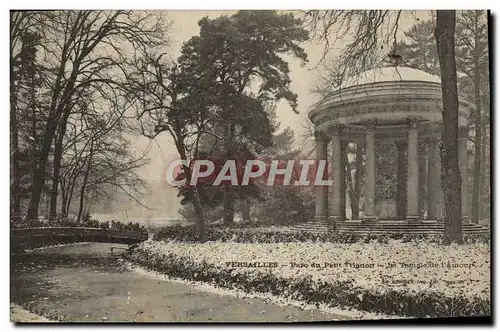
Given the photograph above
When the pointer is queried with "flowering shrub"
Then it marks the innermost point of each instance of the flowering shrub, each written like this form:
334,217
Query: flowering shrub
354,275
283,235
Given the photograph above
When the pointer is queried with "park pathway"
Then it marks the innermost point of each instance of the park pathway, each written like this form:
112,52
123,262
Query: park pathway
85,283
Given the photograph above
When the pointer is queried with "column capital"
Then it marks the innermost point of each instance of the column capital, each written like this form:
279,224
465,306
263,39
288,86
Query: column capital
320,136
412,123
370,125
401,145
336,130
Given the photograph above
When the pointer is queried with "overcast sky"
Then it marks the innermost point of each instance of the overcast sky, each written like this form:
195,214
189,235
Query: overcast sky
184,26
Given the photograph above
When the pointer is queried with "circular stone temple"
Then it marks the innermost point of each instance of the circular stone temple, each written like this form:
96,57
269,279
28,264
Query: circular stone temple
393,104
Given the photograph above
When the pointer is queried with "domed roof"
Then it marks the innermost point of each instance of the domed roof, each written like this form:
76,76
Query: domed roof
390,74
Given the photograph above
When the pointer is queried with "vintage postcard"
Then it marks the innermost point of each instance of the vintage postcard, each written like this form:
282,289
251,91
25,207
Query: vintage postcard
249,166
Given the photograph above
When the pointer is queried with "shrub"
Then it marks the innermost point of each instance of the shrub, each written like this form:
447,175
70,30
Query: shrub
269,235
284,205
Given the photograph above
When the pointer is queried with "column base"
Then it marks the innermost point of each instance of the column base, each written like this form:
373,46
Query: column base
320,219
369,220
464,221
433,220
332,223
413,219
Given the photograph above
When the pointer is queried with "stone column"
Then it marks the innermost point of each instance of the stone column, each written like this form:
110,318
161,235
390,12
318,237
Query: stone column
401,178
344,161
336,173
434,189
412,182
369,212
321,192
462,164
422,178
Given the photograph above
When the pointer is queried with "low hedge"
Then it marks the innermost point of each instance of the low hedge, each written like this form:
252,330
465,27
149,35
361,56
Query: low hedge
336,294
259,235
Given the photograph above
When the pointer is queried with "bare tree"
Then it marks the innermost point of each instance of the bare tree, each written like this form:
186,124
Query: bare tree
168,100
472,48
81,48
23,43
96,152
450,174
371,36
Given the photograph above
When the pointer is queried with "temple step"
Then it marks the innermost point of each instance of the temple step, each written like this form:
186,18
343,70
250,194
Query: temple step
382,227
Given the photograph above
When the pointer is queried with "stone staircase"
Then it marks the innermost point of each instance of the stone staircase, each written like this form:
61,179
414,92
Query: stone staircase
314,226
389,227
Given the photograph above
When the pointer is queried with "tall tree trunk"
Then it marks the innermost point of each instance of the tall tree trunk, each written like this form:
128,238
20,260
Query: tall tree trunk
81,202
69,198
450,174
68,205
39,173
198,208
85,180
64,199
245,209
482,184
57,166
228,189
14,152
60,100
477,125
199,213
69,189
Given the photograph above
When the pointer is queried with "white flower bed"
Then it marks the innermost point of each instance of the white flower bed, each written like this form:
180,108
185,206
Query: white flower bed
451,270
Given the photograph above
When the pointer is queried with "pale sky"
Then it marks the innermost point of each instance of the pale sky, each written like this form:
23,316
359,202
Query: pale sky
184,26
